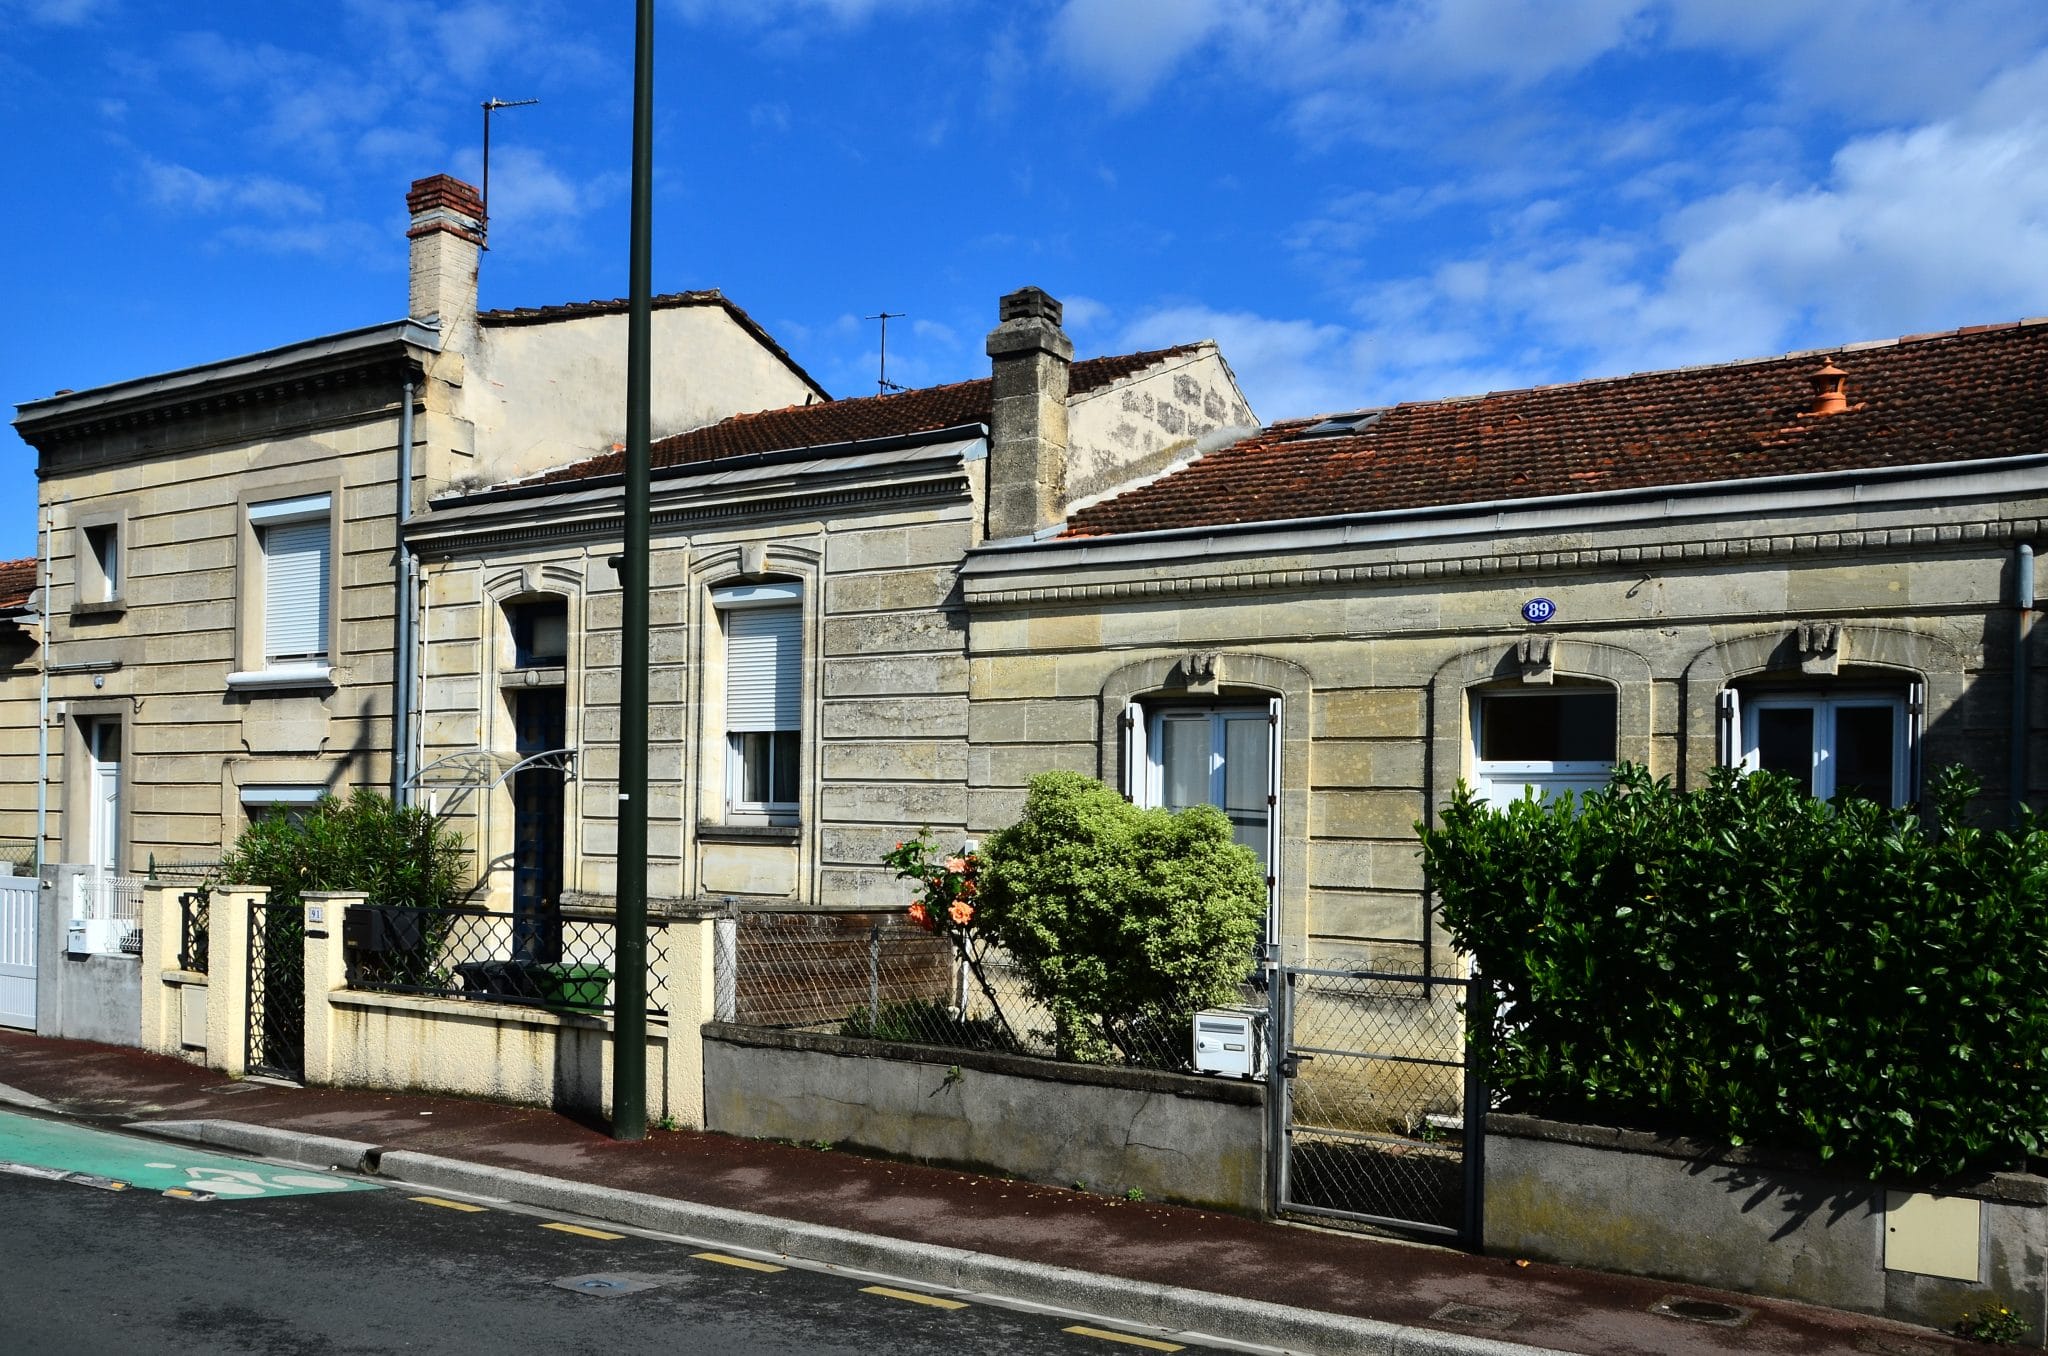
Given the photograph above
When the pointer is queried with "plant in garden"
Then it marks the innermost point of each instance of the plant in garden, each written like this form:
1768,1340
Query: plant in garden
1747,963
948,884
1995,1322
1123,921
395,855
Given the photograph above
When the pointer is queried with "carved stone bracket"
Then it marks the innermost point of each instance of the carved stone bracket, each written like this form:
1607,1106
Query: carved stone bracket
1820,648
1535,653
1202,671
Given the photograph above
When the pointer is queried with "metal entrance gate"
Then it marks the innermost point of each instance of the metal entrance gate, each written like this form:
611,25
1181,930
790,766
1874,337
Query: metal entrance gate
19,900
1378,1117
277,990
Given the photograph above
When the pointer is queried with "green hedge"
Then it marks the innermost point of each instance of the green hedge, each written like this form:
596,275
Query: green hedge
1745,963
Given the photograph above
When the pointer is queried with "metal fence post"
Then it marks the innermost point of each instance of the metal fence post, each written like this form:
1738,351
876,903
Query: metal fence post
725,967
874,977
1478,1021
1277,984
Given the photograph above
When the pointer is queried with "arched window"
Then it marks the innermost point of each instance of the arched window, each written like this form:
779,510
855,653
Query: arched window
1552,740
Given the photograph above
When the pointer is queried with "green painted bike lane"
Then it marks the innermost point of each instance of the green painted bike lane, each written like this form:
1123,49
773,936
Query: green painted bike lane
49,1148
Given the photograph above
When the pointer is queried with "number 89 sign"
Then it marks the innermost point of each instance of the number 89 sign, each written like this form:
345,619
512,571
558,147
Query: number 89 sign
1538,610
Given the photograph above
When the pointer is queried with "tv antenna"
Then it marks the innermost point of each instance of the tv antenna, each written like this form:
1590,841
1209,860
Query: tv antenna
882,383
491,106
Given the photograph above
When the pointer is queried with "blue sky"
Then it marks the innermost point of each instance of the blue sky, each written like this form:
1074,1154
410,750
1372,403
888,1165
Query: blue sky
1362,202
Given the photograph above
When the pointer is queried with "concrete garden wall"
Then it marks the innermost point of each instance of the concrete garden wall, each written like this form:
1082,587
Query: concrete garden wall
85,997
1175,1137
1765,1223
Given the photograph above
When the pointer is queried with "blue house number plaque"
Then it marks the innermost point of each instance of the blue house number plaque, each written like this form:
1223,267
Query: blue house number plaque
1538,610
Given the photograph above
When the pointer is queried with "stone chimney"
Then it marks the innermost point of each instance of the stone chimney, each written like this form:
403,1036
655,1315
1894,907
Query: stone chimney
1027,451
447,236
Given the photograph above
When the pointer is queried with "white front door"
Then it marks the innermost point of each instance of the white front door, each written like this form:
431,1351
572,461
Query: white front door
103,789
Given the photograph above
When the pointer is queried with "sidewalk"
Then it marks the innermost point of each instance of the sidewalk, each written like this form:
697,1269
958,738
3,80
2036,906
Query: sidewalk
811,1194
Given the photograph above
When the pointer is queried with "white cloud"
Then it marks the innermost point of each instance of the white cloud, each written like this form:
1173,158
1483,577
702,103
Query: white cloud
183,189
537,205
1285,367
1129,46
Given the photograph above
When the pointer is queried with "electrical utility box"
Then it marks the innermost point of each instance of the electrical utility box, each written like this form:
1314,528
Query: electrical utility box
1231,1042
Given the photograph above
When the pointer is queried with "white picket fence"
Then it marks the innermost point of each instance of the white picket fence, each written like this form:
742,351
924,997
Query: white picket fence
108,910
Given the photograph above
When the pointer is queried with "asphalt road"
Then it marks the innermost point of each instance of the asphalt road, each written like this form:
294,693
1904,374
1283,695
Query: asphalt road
89,1270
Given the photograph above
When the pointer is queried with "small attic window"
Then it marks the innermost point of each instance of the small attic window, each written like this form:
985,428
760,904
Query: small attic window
1339,425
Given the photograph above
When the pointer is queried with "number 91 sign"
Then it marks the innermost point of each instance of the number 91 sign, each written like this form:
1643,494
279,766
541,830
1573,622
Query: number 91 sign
1538,610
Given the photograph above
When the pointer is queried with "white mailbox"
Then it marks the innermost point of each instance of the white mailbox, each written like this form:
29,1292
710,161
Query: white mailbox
1231,1041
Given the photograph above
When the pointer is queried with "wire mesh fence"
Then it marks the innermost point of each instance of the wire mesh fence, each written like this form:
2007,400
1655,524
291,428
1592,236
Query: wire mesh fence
564,963
1377,1094
880,976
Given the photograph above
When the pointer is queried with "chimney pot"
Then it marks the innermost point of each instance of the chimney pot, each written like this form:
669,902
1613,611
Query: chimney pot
1830,389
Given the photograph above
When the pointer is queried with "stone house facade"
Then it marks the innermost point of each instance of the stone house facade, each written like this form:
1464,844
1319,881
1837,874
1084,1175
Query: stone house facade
809,684
229,597
21,677
1326,626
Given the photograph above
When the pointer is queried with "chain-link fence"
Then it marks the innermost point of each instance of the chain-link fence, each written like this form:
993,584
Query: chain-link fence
1377,1094
504,957
880,976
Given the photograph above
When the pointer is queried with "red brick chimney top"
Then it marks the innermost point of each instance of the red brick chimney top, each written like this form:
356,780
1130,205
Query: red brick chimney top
445,203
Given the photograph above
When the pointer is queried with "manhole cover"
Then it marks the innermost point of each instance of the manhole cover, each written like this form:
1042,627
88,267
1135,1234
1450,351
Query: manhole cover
603,1286
1702,1311
1475,1316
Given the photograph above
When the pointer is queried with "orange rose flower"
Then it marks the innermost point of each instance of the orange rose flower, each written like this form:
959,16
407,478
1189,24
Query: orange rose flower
962,912
917,913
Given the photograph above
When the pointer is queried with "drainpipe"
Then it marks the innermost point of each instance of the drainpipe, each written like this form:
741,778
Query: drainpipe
2022,630
407,600
43,701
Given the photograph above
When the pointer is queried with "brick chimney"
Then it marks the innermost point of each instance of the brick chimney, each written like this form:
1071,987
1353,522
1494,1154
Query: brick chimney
447,236
1027,452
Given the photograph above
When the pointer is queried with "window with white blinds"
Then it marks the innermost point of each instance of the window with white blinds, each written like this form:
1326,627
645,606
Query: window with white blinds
764,669
294,539
763,695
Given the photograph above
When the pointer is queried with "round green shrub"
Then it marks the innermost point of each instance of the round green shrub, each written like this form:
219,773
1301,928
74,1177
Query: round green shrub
1124,922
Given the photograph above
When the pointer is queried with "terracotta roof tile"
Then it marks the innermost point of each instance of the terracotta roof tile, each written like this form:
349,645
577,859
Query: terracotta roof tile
17,582
845,421
711,296
1973,394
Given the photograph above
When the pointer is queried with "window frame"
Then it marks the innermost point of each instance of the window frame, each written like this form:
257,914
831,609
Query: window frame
1550,777
1145,769
1825,701
262,668
729,601
99,576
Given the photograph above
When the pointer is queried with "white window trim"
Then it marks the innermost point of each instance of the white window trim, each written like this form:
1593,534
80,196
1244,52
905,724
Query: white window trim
264,796
1549,776
1824,703
743,597
1145,771
292,673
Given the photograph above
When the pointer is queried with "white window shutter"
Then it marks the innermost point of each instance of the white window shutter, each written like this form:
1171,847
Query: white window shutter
1916,726
1137,765
764,669
1728,728
1274,726
295,603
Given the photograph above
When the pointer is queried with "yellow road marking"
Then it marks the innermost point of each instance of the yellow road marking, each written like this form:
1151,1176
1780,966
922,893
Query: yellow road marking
725,1259
933,1300
582,1232
447,1204
1146,1342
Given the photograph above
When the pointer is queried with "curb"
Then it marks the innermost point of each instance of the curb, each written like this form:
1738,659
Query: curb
1193,1313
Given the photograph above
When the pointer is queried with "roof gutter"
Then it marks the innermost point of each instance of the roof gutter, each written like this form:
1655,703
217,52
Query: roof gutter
892,442
1559,512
